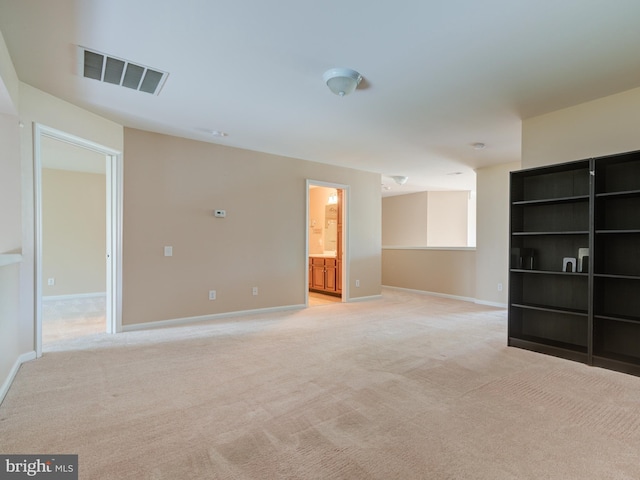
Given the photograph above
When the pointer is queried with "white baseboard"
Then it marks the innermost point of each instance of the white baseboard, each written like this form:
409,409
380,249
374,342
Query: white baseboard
433,294
25,357
365,299
491,304
216,316
73,296
446,295
203,318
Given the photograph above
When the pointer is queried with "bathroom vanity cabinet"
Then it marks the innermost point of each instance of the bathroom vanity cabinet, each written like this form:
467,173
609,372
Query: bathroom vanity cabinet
323,275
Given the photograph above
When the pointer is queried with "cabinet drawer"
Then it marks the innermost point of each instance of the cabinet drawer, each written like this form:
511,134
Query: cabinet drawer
330,262
317,261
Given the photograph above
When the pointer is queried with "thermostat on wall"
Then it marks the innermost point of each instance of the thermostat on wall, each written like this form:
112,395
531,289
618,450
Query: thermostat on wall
219,213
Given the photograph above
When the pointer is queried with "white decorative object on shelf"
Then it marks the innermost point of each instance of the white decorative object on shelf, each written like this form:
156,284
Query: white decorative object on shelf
569,264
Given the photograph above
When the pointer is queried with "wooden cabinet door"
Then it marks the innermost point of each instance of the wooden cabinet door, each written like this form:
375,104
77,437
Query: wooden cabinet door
317,274
330,275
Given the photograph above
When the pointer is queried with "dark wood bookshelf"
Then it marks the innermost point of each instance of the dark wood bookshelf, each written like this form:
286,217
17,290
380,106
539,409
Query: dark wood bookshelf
592,314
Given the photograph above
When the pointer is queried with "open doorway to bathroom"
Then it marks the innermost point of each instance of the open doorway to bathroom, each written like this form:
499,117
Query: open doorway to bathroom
326,259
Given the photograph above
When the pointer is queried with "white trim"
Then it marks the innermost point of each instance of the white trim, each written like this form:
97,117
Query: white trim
37,188
365,299
392,247
446,295
113,159
433,294
10,258
114,242
491,304
73,296
203,318
6,385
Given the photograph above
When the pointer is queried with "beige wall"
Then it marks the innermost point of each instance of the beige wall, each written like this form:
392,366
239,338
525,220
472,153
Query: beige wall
404,220
444,271
592,129
447,219
416,221
426,219
73,232
172,185
492,251
447,271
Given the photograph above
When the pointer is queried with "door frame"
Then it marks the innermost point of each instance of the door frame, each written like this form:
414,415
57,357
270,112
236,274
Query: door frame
113,159
345,236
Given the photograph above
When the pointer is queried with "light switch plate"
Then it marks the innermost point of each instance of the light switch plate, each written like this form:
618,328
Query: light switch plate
168,251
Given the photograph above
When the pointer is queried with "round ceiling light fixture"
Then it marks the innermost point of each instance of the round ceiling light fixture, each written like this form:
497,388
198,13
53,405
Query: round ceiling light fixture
400,179
341,81
479,146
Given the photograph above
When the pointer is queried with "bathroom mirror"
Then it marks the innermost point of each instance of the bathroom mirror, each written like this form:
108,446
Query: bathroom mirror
331,228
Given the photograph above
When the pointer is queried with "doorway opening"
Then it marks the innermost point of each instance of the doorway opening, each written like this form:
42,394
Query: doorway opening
78,186
326,243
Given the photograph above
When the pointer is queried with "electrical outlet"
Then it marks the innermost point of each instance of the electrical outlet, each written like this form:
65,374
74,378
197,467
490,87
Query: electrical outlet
357,283
168,251
51,281
212,294
499,287
255,290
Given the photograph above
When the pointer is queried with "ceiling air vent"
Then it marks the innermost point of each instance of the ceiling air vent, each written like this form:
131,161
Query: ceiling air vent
117,71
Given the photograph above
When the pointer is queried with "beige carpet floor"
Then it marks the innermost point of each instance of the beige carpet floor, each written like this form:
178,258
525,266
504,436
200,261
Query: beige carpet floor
63,319
405,387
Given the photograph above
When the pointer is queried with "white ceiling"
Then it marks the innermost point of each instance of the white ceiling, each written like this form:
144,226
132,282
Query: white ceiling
439,75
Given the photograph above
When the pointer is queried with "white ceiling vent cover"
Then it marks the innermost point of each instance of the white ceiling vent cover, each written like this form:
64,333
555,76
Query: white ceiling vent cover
109,69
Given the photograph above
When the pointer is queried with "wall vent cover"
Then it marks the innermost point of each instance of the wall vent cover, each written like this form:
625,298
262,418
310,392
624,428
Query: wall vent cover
106,68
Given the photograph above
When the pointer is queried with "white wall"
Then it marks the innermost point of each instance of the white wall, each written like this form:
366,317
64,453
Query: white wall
12,342
492,250
9,83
